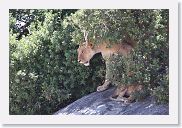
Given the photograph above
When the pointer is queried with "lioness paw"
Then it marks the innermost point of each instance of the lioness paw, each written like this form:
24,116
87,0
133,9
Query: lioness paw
101,88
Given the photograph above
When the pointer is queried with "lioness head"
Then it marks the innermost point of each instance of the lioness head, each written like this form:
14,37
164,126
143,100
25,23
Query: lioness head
85,53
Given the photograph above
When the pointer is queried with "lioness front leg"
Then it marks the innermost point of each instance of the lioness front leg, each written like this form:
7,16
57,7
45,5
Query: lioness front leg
104,86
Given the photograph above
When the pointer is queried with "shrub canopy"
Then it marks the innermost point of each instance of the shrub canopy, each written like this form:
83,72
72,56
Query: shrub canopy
44,72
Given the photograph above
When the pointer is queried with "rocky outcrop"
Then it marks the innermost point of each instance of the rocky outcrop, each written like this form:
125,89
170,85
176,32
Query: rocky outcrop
98,103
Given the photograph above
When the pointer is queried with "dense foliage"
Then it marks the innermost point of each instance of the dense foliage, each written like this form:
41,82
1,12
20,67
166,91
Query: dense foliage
45,74
149,61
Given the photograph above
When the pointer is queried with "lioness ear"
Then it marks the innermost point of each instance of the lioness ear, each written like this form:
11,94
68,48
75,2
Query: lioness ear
90,44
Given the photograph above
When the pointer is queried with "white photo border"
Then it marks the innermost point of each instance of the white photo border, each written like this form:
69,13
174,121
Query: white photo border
173,116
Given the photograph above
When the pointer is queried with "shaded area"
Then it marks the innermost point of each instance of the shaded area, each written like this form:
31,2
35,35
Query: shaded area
98,103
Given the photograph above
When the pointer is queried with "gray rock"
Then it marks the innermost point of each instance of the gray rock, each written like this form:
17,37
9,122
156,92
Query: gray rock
98,103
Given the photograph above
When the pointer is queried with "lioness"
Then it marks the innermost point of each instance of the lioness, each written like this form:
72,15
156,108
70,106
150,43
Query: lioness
87,50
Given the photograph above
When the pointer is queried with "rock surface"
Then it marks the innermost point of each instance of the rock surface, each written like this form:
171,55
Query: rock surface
98,103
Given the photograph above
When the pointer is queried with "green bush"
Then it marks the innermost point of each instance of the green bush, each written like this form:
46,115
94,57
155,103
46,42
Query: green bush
149,28
44,73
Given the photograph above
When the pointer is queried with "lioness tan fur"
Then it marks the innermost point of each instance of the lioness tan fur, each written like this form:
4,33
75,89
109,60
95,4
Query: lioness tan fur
87,50
125,93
